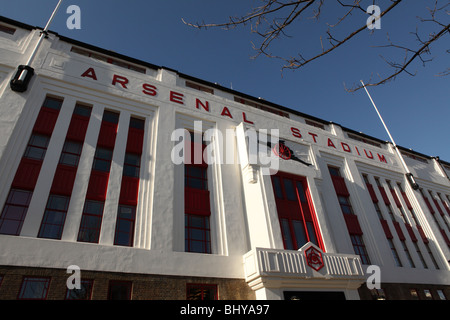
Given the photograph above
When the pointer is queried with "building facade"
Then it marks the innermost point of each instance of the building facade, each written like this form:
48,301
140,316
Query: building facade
101,174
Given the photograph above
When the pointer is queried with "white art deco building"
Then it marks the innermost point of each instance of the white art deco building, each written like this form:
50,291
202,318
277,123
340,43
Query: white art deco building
89,178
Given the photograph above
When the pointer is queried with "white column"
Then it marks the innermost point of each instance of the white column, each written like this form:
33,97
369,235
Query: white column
109,219
41,191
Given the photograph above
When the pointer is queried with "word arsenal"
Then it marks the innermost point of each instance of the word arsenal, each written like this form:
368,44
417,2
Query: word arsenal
179,98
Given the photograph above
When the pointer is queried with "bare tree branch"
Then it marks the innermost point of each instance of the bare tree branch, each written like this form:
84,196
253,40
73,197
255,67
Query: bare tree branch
271,20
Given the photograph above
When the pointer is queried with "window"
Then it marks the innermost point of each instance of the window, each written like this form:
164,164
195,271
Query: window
397,260
201,291
82,110
315,124
54,217
197,234
7,30
441,294
37,146
431,255
414,295
125,226
378,294
261,107
53,103
84,293
34,288
111,117
102,159
137,123
71,153
91,221
419,253
408,255
107,59
359,138
296,216
428,295
345,205
360,248
196,86
14,211
195,177
119,290
335,172
131,165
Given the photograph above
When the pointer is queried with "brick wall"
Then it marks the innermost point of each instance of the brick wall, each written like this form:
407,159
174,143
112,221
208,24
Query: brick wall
144,287
401,291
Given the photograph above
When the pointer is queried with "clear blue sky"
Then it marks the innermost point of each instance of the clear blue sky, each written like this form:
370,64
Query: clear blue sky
416,109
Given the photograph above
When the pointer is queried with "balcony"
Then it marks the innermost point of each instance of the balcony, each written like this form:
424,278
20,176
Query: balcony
308,267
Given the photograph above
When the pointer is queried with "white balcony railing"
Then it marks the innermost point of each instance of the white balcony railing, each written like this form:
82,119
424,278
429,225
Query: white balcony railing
265,263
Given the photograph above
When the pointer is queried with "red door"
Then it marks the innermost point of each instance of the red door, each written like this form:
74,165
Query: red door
295,211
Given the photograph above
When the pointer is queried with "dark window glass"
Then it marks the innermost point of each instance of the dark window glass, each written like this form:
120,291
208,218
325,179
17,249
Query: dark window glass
119,290
54,217
201,292
14,211
53,103
197,234
91,221
34,288
132,165
71,153
102,159
125,226
137,123
37,146
84,293
111,117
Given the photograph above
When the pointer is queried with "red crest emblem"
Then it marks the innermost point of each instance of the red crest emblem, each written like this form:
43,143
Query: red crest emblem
282,151
314,258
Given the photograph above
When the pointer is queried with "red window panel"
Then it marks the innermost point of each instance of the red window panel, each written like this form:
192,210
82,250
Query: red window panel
107,135
411,232
27,174
129,191
399,231
135,140
444,235
396,199
64,180
384,195
386,229
405,197
352,223
98,184
422,234
438,207
373,196
77,128
197,202
340,186
427,201
46,120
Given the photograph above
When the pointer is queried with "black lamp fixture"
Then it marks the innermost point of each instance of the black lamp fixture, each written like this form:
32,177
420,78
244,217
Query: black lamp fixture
21,79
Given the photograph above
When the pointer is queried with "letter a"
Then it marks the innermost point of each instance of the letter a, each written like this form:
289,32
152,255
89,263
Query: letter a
374,280
74,281
74,21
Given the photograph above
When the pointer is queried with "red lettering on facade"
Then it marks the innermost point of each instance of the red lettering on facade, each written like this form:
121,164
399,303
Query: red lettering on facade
149,89
330,143
314,136
245,118
205,106
345,147
90,73
357,151
176,97
120,80
296,132
382,158
371,155
226,112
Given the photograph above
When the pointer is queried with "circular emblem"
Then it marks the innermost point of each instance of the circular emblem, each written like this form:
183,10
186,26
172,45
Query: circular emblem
282,151
314,258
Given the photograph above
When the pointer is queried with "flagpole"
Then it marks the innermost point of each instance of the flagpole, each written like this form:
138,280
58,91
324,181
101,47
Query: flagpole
409,175
25,72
